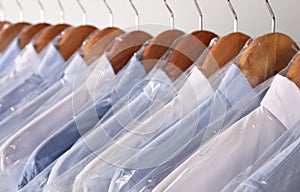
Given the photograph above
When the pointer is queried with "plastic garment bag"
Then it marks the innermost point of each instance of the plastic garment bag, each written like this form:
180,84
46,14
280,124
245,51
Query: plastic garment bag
240,145
52,65
280,174
175,140
25,65
281,144
30,107
8,57
14,154
149,94
55,145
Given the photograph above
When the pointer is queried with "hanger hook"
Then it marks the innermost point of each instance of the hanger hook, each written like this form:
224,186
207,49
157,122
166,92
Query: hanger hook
137,16
272,15
2,15
42,11
21,12
200,15
111,15
62,11
235,28
84,19
172,14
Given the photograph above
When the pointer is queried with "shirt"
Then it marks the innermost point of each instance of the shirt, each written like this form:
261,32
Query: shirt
13,154
9,56
56,145
156,87
102,180
280,174
51,65
30,108
24,66
241,144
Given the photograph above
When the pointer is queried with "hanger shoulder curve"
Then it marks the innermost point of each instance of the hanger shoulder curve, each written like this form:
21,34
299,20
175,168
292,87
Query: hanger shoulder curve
99,41
4,24
124,48
27,35
48,35
158,46
7,35
294,72
73,40
189,49
265,55
225,49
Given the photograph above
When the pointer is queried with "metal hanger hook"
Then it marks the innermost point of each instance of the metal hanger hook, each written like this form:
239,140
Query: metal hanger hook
2,13
235,27
171,13
272,15
42,11
200,15
111,15
21,12
84,18
62,11
137,16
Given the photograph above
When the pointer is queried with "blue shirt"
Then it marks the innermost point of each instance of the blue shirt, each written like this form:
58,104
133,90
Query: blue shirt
30,107
56,145
279,174
51,68
157,86
8,58
203,123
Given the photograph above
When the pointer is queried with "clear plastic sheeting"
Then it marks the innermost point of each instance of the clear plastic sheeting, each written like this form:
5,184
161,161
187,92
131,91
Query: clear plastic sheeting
14,153
240,145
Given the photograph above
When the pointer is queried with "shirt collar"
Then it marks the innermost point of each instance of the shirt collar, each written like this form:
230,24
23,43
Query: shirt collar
10,54
283,101
28,59
52,62
102,77
235,86
130,75
196,88
76,69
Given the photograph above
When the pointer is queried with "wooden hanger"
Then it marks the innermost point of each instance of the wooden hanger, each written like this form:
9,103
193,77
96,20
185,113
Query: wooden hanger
189,48
97,44
4,24
126,45
75,37
158,46
27,35
294,72
267,54
73,40
8,34
225,49
48,35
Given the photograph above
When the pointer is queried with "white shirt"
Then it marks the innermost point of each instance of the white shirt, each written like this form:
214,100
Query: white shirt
13,153
188,98
221,159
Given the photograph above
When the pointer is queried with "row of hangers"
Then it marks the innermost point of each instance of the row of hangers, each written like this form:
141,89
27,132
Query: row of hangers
265,55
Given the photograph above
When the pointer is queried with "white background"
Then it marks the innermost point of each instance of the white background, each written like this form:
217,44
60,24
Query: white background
254,18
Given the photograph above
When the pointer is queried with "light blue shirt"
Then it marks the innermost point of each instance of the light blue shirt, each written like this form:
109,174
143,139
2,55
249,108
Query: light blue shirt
49,71
157,86
29,107
279,174
55,145
9,56
203,123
